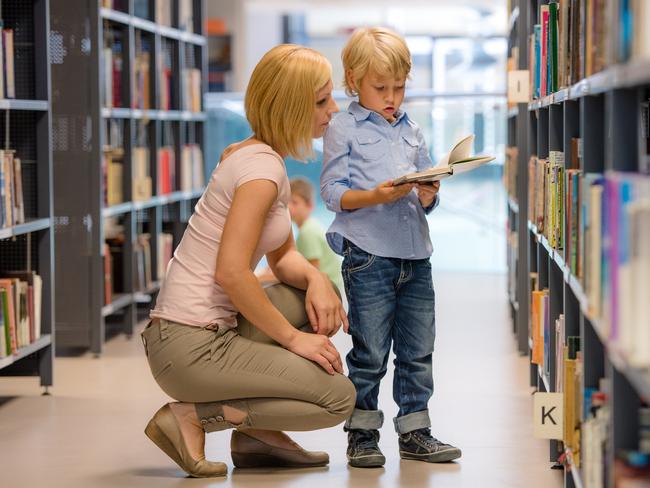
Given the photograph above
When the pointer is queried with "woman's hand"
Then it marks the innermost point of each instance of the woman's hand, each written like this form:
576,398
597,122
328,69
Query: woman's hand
317,348
324,307
427,193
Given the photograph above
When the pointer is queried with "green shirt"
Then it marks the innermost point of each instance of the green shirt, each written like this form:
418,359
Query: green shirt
311,243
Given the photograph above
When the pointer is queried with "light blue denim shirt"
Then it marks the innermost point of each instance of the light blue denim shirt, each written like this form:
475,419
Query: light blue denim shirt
361,149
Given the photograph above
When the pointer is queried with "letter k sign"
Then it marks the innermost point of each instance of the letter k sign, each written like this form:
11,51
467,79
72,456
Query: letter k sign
548,416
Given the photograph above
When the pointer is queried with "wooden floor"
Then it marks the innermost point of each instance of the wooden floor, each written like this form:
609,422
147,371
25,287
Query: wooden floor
89,432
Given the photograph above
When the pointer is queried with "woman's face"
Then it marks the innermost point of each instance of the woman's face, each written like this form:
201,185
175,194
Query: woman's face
325,107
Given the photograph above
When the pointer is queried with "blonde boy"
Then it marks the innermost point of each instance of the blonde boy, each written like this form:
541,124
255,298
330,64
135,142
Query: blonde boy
382,233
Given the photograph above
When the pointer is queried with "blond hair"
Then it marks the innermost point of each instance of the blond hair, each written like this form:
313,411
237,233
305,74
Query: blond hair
303,188
281,98
375,49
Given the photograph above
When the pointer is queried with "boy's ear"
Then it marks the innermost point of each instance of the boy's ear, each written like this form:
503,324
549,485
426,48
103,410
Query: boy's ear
350,79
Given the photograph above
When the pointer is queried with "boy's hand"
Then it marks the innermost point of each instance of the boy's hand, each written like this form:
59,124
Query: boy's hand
427,193
387,193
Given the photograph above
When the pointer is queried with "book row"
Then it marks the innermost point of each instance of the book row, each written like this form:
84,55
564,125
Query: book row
587,422
113,74
163,12
173,174
143,272
606,222
575,39
12,206
21,295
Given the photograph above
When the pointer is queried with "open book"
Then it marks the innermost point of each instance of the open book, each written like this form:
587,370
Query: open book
457,161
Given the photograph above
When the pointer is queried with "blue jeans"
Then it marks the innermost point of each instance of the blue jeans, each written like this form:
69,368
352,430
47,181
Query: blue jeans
390,300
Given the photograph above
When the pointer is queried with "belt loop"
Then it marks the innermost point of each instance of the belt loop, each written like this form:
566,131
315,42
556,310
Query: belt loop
163,330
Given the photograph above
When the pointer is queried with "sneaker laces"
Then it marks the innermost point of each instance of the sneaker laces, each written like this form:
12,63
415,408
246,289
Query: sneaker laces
365,439
424,436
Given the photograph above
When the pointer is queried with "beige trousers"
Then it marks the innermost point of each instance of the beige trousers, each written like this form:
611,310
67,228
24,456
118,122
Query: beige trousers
247,370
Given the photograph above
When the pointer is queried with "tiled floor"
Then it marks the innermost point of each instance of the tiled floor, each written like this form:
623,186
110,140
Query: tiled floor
89,432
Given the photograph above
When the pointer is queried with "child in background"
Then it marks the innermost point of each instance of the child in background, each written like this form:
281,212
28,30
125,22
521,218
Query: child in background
310,240
382,232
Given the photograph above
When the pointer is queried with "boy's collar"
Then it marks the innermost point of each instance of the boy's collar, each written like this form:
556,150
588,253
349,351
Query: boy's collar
359,112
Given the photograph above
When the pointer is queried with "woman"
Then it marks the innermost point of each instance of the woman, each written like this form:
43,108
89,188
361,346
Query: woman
260,372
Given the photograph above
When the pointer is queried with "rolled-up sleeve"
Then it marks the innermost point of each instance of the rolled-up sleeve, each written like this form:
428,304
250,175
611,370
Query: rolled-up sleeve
335,176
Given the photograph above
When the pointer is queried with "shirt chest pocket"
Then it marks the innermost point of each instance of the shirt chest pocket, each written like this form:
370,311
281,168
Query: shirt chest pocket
411,147
371,147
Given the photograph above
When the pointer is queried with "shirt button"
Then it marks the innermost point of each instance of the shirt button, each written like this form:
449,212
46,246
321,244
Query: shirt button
219,418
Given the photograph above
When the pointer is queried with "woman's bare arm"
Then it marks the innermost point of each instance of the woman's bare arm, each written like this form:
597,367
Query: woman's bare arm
324,308
243,228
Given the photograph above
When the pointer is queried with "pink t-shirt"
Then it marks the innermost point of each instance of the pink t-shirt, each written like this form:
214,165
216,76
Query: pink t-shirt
190,294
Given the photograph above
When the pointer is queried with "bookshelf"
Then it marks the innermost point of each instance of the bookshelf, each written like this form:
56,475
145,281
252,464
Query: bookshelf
579,189
128,151
27,234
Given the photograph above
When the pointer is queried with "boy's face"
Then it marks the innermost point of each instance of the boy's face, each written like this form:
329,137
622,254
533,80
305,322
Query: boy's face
381,94
299,208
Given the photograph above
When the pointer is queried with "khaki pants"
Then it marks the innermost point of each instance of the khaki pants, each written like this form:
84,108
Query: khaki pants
244,368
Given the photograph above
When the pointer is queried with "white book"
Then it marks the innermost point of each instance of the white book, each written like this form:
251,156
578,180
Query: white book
2,64
10,80
458,160
186,168
198,175
38,301
636,318
595,250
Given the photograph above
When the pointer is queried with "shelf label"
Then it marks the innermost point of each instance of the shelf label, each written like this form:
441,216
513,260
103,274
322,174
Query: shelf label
518,86
548,415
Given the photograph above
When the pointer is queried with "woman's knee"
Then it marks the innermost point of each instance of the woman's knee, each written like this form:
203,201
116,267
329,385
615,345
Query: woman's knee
343,398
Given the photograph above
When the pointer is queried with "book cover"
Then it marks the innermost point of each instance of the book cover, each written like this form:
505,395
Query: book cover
538,59
544,16
553,46
10,78
19,204
547,332
7,297
3,332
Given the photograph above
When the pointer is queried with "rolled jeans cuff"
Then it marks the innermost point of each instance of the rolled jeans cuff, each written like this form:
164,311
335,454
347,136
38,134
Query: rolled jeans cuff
365,420
412,421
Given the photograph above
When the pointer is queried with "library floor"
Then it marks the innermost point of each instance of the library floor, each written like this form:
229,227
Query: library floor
89,432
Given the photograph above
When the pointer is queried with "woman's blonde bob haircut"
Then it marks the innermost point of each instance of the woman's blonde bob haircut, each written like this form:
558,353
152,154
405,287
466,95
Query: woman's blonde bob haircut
281,98
375,49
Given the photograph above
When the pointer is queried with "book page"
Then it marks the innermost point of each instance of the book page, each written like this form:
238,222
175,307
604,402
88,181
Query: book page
461,150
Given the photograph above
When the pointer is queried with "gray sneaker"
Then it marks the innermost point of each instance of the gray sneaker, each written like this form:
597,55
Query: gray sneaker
420,446
363,449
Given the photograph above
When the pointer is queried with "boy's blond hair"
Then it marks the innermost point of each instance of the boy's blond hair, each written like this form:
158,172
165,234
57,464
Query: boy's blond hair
281,98
303,188
376,49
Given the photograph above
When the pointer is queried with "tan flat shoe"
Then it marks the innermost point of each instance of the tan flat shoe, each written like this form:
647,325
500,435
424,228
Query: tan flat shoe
248,452
164,431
